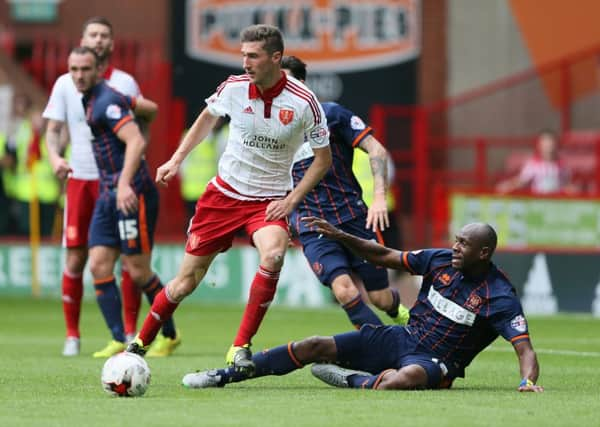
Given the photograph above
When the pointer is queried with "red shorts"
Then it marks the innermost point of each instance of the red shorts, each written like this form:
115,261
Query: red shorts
80,199
218,217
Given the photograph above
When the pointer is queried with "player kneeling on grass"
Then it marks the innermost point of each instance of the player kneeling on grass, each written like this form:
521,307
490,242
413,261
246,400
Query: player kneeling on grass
464,303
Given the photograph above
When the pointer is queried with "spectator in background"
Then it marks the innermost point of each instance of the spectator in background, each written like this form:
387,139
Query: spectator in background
33,176
543,173
201,165
7,163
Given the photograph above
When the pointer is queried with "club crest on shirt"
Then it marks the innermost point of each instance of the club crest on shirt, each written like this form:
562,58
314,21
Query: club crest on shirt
286,116
519,323
445,278
473,302
113,111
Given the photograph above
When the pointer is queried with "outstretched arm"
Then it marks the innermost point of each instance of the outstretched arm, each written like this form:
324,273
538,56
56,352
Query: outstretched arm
199,130
529,367
366,249
377,216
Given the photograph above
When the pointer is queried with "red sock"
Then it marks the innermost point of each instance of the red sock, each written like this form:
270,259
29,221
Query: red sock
161,310
262,292
72,292
132,299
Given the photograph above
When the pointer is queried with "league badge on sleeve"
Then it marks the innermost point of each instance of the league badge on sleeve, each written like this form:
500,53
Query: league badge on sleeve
113,111
356,123
519,323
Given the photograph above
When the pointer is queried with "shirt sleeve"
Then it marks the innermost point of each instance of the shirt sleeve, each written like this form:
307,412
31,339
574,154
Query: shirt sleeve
508,319
116,113
353,127
315,125
56,109
421,262
219,103
527,172
131,88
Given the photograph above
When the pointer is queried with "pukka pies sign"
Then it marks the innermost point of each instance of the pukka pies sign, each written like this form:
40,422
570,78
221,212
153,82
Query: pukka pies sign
342,36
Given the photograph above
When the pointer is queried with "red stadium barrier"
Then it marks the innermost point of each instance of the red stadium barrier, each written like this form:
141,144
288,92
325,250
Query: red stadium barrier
433,153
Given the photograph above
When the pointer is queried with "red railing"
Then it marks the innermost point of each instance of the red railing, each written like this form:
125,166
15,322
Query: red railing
436,152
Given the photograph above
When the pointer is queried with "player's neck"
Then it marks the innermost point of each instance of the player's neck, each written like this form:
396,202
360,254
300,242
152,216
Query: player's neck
270,82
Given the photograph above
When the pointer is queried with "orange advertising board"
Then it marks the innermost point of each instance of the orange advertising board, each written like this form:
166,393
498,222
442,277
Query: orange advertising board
330,35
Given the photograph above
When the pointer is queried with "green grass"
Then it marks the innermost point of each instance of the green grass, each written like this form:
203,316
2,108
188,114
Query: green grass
38,387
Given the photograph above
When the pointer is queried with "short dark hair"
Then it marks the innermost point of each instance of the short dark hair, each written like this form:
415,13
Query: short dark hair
97,20
264,33
83,50
490,237
295,65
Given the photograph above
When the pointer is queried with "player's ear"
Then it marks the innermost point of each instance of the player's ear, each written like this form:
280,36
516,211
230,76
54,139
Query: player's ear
485,253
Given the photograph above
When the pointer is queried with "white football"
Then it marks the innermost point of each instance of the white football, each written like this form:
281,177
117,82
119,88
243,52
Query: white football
125,374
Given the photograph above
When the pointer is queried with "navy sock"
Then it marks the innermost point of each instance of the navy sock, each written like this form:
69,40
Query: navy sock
393,312
150,289
276,361
362,381
367,381
360,314
109,301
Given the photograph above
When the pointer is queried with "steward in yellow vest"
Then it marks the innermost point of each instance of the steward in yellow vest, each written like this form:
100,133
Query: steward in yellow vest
33,177
200,166
6,186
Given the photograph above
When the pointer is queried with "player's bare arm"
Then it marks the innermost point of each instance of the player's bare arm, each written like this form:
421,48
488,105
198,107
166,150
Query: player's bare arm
145,108
367,249
316,171
199,130
130,134
55,146
377,216
528,366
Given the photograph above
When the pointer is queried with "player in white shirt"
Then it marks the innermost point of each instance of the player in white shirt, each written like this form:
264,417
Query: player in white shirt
270,116
65,107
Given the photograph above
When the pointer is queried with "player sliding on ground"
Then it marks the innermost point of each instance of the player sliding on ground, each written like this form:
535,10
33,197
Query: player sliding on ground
464,304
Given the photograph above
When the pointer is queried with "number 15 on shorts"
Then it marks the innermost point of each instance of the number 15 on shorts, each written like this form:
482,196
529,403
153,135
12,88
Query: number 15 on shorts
128,229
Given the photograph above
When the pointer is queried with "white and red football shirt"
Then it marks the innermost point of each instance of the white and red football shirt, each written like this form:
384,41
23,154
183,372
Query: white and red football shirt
65,105
543,176
265,131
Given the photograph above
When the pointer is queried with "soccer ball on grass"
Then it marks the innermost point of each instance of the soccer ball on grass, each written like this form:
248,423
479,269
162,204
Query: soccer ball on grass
125,374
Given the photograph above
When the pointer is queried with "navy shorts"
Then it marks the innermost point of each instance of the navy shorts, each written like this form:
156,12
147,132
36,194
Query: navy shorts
132,234
330,259
377,348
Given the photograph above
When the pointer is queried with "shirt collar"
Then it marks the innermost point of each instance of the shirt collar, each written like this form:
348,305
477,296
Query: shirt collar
268,95
108,72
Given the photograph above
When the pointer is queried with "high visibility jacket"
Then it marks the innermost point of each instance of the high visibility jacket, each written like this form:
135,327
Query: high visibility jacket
8,176
200,166
47,187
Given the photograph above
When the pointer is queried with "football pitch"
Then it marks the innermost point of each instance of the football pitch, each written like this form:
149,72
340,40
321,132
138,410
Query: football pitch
39,387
